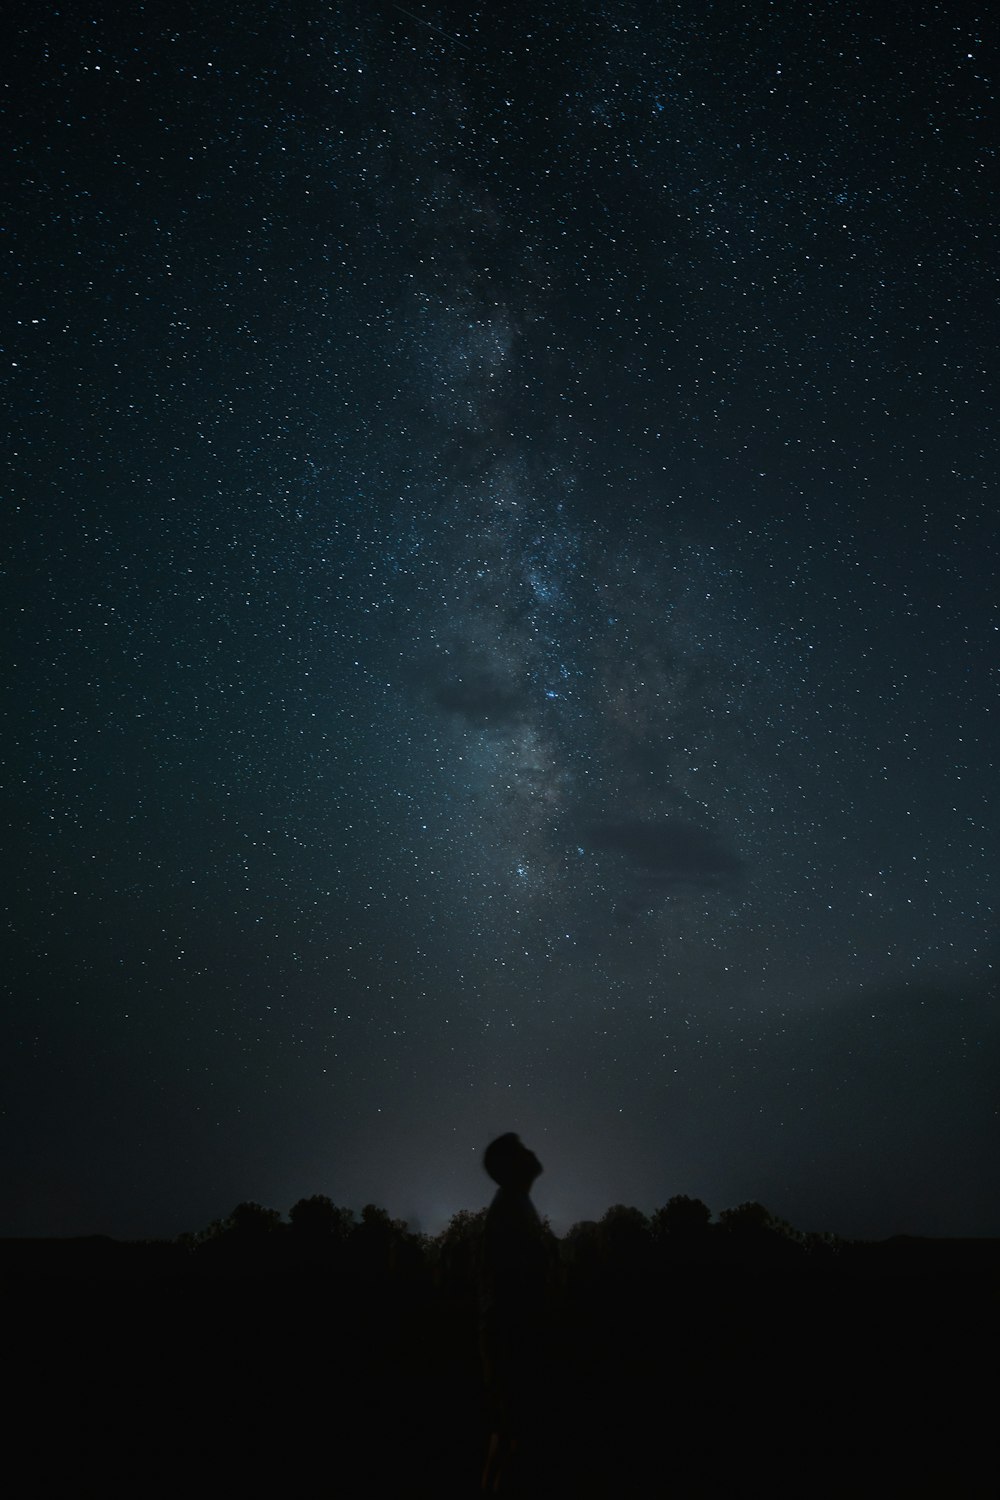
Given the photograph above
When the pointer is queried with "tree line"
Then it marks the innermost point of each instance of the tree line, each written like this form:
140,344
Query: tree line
625,1241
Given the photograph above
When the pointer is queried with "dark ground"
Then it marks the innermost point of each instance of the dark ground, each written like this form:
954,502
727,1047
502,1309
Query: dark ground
135,1375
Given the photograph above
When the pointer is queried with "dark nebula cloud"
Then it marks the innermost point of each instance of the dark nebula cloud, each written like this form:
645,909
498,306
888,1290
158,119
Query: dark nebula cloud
481,696
663,858
668,850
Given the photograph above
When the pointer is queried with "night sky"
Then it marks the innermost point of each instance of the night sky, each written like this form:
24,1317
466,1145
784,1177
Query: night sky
501,605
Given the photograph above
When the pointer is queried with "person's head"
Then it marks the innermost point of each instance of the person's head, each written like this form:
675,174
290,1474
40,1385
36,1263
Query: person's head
510,1163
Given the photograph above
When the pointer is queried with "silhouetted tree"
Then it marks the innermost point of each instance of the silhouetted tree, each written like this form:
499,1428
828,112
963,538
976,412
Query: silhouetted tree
626,1241
319,1217
580,1252
681,1215
372,1249
247,1239
752,1218
457,1251
319,1228
253,1221
755,1235
822,1247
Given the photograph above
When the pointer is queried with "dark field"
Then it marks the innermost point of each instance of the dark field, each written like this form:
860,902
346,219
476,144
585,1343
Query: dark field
154,1370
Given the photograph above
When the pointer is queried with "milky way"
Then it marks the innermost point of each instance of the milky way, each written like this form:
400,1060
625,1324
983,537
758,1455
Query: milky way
502,600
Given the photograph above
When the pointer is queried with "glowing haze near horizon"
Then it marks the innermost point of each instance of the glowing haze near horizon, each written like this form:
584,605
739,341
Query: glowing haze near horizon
502,604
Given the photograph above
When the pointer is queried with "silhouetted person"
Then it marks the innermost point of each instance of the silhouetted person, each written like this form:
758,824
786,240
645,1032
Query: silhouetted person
513,1277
